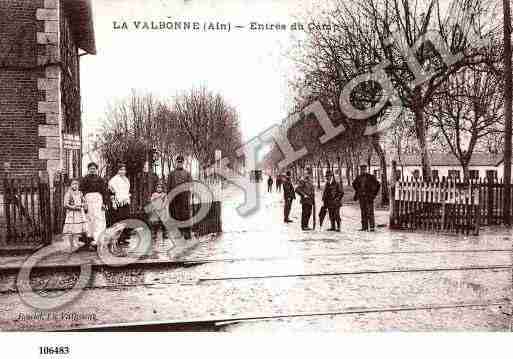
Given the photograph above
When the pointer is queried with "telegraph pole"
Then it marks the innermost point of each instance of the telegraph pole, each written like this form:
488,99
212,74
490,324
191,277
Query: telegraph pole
507,112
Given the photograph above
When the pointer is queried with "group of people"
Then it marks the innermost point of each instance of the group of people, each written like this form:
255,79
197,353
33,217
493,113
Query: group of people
366,188
270,183
88,199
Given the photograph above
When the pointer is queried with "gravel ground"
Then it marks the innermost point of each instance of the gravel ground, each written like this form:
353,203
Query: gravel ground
259,267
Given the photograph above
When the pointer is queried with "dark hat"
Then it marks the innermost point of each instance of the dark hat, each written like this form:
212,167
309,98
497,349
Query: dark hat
288,174
121,164
180,159
92,164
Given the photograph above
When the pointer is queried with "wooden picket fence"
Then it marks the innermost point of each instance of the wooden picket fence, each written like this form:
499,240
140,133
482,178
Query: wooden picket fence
492,196
448,205
25,211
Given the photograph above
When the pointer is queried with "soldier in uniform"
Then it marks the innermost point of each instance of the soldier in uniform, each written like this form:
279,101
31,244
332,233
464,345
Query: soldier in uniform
288,196
307,192
278,182
366,188
270,184
332,199
180,205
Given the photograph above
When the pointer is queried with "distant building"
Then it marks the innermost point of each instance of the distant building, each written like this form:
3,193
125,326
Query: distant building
447,165
41,42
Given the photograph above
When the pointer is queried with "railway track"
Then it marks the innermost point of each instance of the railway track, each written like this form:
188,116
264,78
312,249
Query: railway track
216,324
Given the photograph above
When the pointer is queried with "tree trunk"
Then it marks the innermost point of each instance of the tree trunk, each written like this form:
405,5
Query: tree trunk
349,173
383,165
466,172
369,157
420,130
507,112
339,170
319,174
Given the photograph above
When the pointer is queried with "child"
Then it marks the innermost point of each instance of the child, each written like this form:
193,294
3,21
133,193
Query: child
75,224
157,200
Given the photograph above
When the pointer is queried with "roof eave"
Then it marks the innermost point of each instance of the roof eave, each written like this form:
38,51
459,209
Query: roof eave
81,13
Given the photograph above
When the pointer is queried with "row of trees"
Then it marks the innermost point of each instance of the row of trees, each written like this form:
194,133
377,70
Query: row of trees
143,129
439,65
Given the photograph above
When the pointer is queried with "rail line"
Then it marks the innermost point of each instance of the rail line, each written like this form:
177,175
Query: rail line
215,324
199,261
200,280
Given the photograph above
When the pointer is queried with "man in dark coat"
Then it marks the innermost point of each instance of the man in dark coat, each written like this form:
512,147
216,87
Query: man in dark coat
278,182
288,196
270,184
307,192
180,205
366,188
332,199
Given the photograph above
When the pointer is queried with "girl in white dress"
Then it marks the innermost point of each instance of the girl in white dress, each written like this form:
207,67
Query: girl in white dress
75,224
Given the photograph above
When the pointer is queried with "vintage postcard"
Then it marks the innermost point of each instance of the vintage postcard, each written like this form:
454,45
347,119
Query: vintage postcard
255,166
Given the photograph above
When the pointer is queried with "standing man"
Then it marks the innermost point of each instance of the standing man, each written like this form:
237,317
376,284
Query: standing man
332,199
288,196
180,205
393,181
278,182
270,184
366,188
94,189
307,192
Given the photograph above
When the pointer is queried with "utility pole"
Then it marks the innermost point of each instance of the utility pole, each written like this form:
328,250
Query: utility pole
507,112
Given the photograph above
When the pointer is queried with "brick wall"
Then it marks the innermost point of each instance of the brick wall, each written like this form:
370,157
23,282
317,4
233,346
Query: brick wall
19,94
39,87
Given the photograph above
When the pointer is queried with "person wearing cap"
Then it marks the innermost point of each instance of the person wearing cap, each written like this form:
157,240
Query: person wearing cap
180,205
119,186
366,188
278,182
289,195
307,193
332,199
94,189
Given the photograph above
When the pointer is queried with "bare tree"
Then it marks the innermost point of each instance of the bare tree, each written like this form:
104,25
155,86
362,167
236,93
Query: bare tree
466,109
209,123
408,38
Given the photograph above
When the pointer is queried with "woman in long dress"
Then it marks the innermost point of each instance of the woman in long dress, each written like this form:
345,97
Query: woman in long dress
94,189
119,186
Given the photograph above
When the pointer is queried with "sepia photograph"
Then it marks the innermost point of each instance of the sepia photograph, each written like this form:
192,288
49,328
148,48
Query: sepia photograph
241,166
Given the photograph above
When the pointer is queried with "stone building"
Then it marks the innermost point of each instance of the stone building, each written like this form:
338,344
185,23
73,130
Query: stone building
41,42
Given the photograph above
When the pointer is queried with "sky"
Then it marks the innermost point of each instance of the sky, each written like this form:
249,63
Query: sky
248,67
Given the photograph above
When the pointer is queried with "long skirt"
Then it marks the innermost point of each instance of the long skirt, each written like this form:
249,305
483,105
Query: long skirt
95,215
121,213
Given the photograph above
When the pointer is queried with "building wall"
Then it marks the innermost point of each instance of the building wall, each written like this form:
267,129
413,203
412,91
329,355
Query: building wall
70,99
443,171
33,136
19,93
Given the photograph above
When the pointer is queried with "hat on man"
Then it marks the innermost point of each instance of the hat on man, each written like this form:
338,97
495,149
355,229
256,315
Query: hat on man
92,164
288,174
180,159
